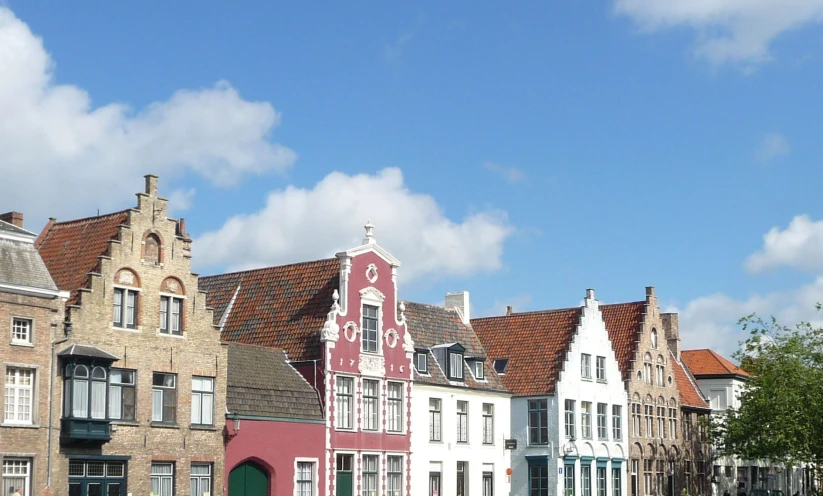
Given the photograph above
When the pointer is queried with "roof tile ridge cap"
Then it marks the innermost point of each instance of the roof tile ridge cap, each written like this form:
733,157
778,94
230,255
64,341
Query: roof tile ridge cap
528,313
563,357
722,361
93,217
689,376
270,267
44,233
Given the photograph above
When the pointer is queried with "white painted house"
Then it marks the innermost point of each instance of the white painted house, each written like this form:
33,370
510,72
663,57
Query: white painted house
459,407
569,407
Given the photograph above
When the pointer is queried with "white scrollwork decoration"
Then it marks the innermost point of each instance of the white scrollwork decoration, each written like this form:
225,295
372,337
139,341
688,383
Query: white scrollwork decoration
374,365
391,338
350,331
371,273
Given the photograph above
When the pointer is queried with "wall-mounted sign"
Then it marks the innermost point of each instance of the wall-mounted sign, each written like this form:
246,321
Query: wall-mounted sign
511,444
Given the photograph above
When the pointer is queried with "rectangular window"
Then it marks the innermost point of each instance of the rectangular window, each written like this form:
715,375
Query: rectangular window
673,423
461,478
602,421
538,422
455,365
462,421
617,422
488,484
661,470
616,482
647,373
16,476
434,484
162,479
420,363
649,410
688,471
601,369
21,331
125,308
122,394
394,476
479,370
636,419
200,478
395,407
18,397
369,481
164,398
488,423
586,480
647,477
539,480
601,481
435,425
202,400
305,479
687,426
571,430
369,329
345,402
568,480
661,373
171,315
371,399
586,419
586,366
661,421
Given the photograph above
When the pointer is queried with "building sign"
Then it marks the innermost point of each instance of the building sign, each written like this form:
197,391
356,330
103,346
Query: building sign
511,444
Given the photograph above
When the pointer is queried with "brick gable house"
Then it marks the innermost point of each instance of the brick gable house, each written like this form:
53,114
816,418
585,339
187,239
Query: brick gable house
141,388
340,324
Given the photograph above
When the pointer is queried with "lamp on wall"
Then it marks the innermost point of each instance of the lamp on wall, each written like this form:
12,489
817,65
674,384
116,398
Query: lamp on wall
236,423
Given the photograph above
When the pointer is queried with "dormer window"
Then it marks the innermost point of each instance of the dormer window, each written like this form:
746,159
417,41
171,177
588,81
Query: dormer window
479,370
369,329
420,363
500,365
455,365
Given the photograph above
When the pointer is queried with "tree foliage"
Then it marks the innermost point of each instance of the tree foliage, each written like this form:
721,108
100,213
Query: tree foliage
780,417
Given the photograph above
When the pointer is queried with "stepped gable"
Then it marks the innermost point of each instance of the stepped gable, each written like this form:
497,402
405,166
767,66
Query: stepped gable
71,249
432,325
277,307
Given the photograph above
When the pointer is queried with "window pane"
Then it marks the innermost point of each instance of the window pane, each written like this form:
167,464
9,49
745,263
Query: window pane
195,408
80,396
98,400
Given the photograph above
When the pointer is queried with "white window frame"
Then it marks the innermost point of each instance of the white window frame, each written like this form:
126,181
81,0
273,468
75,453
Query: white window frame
14,392
162,390
462,422
455,365
378,473
339,425
398,417
372,297
600,366
315,462
364,418
585,366
435,411
617,422
479,370
586,431
167,331
603,422
163,477
116,395
421,358
202,397
16,326
12,464
402,472
570,427
200,478
123,325
488,423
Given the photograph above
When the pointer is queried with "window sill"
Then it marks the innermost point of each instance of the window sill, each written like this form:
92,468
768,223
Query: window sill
125,329
602,381
436,441
21,426
127,423
587,379
539,445
22,344
345,429
199,427
168,335
395,433
164,426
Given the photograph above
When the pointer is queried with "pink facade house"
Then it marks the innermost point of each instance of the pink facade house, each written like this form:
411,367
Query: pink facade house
342,327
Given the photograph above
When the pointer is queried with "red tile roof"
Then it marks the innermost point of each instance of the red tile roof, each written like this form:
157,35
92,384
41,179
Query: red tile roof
624,321
690,395
281,307
708,363
71,249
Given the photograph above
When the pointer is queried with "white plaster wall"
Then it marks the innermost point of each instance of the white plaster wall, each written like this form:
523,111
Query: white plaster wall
448,452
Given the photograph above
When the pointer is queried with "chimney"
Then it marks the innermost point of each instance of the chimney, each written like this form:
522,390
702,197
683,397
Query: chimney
589,294
671,328
649,291
459,301
151,185
181,226
509,310
14,218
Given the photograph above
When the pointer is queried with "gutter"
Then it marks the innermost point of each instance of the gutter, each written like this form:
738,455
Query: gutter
66,327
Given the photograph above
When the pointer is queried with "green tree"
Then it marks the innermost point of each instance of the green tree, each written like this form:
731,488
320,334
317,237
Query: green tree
780,417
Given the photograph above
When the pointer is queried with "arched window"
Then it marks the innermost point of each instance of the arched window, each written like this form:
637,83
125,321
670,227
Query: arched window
654,338
152,249
84,395
648,369
125,303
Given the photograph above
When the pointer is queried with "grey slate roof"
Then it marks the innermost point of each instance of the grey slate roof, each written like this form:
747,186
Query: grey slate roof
85,350
262,383
20,262
433,327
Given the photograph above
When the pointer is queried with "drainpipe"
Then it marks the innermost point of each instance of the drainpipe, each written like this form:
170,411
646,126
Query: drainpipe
67,330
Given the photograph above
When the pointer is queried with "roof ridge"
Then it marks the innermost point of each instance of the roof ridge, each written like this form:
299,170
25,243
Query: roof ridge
552,310
270,267
94,217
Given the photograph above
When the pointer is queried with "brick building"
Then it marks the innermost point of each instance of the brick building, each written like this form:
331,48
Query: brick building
340,322
31,317
141,388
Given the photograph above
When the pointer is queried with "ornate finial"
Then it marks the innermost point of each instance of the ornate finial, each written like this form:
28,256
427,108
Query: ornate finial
335,296
402,308
369,239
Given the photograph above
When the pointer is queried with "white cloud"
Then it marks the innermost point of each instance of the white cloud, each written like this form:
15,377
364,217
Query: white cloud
512,175
180,200
303,224
55,146
800,245
736,31
772,146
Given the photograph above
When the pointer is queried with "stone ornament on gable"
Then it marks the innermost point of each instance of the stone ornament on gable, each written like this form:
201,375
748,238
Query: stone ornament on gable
126,277
374,365
372,293
391,338
408,343
371,273
172,286
350,331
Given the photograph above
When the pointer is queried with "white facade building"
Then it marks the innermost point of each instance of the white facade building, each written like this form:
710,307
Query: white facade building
569,411
459,407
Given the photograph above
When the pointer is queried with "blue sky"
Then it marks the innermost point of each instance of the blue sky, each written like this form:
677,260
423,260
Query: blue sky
523,152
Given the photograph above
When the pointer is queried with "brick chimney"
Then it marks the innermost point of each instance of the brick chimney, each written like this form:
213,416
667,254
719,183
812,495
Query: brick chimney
509,310
14,218
460,302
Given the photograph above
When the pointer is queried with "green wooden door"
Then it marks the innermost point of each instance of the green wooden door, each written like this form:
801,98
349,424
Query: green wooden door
343,484
248,480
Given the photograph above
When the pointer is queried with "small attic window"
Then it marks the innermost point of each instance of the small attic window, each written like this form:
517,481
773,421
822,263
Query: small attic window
479,370
455,365
500,365
420,363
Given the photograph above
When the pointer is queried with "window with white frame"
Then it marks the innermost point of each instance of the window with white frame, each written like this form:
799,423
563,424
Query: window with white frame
586,479
420,363
586,366
479,370
462,421
586,419
200,478
370,328
673,423
370,473
488,423
539,421
122,394
305,479
661,374
617,422
164,398
636,420
570,427
371,399
661,421
601,369
162,479
18,404
345,402
125,308
171,315
21,331
647,373
649,414
602,421
395,407
202,400
394,476
16,476
455,365
435,418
